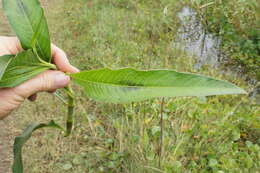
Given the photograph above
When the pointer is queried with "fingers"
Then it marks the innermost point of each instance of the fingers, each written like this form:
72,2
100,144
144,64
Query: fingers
47,81
10,45
61,60
11,98
33,97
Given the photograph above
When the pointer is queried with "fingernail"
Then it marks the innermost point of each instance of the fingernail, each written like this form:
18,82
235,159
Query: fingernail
61,80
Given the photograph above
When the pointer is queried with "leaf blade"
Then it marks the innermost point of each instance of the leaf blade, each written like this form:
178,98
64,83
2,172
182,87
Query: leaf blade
22,67
128,85
4,62
29,23
23,138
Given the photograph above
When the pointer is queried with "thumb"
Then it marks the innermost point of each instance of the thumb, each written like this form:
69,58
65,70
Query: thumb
47,81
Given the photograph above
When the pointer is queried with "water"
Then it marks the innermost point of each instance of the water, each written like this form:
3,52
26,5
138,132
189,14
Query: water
194,39
255,95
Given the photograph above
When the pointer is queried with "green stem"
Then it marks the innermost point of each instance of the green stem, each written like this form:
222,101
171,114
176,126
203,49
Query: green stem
161,136
71,105
51,66
44,63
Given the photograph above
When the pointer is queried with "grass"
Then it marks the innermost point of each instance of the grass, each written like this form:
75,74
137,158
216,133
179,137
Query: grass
237,23
216,134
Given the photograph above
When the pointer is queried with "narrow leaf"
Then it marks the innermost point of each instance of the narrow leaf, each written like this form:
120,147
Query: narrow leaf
4,62
27,19
22,139
21,68
128,85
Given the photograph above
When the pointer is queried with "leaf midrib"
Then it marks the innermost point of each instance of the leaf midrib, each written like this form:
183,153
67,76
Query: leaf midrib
126,86
21,75
5,68
30,24
24,66
26,15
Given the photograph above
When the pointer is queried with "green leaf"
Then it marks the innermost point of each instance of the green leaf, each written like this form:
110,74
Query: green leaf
22,139
128,85
28,21
4,62
22,67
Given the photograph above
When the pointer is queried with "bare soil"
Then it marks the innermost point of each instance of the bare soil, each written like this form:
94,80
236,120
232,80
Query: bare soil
6,142
6,131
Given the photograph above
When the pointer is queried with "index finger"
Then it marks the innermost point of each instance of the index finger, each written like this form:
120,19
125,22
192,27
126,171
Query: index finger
61,61
9,45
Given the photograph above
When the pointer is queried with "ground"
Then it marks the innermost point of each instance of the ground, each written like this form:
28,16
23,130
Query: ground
7,133
214,134
6,142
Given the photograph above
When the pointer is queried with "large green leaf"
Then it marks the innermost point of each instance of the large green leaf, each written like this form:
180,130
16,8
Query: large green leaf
28,21
128,85
22,139
4,62
22,67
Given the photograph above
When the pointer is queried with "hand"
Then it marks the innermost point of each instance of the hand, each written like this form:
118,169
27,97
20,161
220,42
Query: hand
12,98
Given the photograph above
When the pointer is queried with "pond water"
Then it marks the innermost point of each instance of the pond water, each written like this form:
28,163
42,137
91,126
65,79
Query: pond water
194,39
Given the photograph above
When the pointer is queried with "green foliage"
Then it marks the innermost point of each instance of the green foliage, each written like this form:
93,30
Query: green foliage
28,21
237,23
23,138
114,138
4,61
21,68
128,85
104,33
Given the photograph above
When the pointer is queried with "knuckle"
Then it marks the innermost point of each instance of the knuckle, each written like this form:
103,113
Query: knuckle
45,82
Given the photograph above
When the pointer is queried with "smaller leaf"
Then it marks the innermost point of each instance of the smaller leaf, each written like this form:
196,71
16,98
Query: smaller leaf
28,21
4,62
23,138
21,68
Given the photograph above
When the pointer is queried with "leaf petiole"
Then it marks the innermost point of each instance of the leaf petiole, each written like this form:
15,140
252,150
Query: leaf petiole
49,65
44,63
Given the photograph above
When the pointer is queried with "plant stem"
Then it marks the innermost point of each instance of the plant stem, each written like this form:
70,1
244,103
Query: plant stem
49,65
71,105
161,136
44,63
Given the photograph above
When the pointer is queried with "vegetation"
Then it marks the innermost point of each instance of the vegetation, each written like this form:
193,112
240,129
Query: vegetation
217,134
237,23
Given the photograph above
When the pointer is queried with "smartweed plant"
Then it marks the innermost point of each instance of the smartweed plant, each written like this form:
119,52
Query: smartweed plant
126,85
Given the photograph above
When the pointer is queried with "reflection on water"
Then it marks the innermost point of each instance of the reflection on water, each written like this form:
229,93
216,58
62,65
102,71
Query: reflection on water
193,39
255,95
